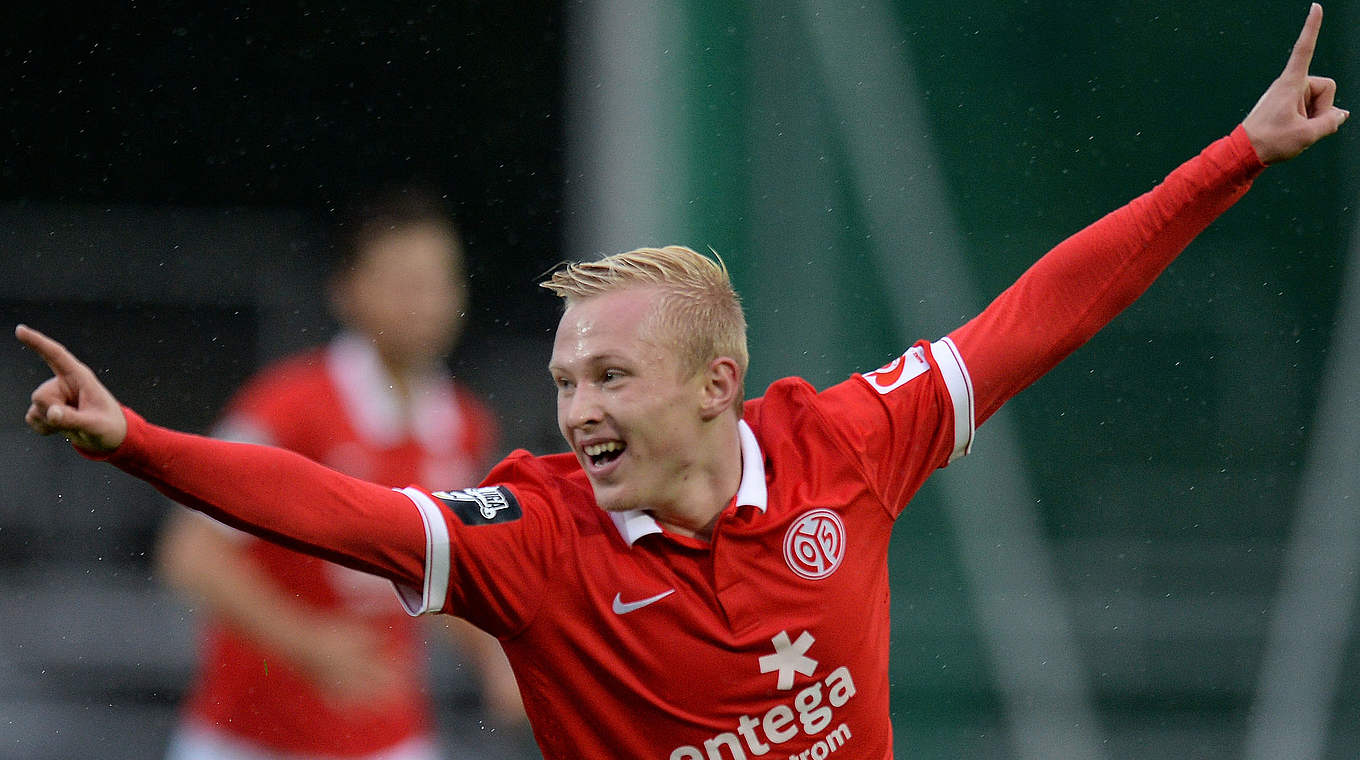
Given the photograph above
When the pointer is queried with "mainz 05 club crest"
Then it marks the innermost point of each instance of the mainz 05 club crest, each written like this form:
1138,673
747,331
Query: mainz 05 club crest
815,544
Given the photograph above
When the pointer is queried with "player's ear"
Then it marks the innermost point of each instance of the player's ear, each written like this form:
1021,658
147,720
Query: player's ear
722,386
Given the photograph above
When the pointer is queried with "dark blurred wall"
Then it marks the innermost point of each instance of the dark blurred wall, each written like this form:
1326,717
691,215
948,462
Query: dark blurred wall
169,172
294,106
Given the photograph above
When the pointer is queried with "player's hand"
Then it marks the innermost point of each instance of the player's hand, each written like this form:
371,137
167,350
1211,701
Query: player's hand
1296,110
72,402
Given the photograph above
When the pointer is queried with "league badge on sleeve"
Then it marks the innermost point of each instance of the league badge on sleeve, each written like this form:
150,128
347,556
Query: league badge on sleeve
899,371
481,506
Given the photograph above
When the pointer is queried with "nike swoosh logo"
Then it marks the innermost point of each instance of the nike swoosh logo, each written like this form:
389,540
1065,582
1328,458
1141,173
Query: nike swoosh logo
623,608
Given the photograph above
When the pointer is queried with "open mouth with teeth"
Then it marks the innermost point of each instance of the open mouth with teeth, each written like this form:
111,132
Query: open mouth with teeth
601,454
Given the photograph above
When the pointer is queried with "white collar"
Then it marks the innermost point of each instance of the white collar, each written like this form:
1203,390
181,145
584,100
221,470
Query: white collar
636,523
366,388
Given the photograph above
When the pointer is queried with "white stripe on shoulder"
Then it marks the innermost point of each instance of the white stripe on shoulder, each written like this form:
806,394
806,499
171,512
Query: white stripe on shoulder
431,597
960,386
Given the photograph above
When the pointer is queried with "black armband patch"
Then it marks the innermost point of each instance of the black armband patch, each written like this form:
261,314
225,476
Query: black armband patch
481,506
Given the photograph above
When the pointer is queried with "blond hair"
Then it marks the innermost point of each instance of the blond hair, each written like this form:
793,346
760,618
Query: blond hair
698,308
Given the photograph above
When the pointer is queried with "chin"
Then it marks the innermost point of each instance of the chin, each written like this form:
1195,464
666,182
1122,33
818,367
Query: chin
610,501
614,505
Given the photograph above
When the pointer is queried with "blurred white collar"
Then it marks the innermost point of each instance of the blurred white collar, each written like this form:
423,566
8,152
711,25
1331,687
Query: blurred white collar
366,388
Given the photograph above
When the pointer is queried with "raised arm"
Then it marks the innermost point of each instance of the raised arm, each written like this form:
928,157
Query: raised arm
1085,281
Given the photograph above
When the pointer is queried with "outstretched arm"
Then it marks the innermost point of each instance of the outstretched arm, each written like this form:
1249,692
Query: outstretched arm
1084,282
273,493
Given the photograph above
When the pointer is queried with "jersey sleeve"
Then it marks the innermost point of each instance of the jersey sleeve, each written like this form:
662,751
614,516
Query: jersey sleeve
239,429
280,496
905,419
1083,283
490,550
263,411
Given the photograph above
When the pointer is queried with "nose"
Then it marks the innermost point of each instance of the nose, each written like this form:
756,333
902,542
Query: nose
581,408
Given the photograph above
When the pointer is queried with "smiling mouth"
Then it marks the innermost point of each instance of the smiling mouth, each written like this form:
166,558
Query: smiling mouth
604,453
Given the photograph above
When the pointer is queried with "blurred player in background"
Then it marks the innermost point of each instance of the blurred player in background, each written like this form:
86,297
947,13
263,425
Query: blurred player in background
702,577
300,657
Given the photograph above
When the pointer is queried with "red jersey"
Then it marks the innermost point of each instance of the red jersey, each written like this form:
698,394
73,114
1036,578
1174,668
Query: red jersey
334,405
772,638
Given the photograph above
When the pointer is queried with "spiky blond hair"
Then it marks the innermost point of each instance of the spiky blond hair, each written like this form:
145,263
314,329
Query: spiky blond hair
698,308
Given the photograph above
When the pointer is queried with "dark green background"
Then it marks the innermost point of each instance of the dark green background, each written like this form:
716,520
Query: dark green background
1165,455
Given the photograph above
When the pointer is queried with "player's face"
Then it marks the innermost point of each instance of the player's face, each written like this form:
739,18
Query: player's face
624,405
406,294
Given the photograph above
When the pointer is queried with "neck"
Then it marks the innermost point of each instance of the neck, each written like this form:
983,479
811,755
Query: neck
710,486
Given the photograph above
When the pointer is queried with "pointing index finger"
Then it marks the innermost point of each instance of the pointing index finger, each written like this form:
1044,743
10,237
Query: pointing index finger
58,358
1302,54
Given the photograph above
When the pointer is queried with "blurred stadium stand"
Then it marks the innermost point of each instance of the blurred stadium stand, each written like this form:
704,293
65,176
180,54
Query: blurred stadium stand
173,308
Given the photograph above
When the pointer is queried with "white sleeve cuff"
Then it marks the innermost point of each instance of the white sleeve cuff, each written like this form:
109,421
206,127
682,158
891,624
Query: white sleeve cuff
960,386
430,597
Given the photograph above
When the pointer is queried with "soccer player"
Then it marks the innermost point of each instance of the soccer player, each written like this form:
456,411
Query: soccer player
700,577
303,657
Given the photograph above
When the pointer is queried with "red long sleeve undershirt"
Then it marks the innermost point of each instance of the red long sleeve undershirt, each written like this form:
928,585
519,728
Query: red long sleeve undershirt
1053,308
1083,283
281,496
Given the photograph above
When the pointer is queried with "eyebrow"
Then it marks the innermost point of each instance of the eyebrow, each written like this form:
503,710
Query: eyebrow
604,358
